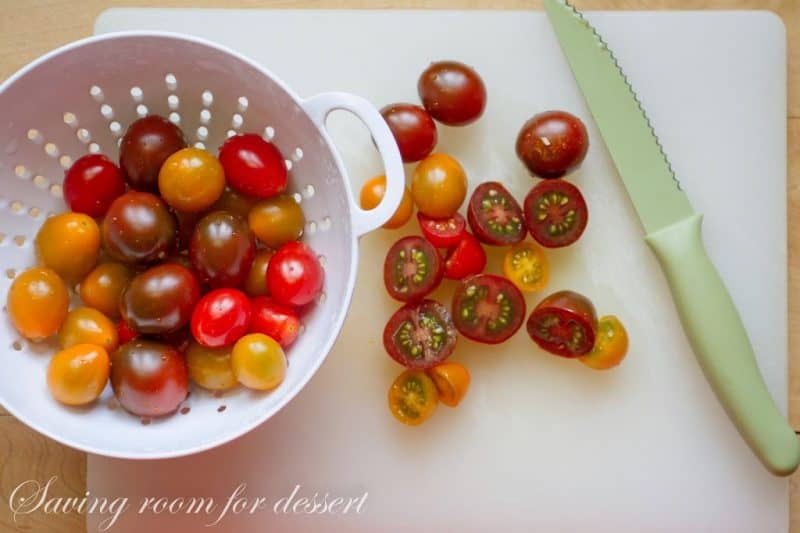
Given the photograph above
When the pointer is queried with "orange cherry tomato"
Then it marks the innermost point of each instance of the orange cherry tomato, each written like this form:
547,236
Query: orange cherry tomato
525,264
78,375
452,381
439,186
371,195
85,325
191,180
103,286
256,282
37,303
413,397
69,244
210,368
277,220
610,345
258,362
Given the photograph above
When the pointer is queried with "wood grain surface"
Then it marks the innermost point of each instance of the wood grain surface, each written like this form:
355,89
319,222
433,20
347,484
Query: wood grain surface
29,28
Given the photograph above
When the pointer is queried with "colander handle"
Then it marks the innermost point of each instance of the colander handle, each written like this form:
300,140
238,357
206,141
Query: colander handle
318,107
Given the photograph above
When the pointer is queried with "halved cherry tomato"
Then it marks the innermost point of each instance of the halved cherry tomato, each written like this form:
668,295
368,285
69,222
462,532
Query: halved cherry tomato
85,325
221,317
371,195
495,216
466,259
443,233
488,308
413,397
91,184
258,362
37,303
555,213
274,320
525,264
552,143
413,129
78,374
420,335
69,243
125,333
452,381
253,166
564,323
102,288
610,344
412,269
294,275
439,186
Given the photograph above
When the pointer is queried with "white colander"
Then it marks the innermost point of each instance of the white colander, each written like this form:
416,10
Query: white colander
81,98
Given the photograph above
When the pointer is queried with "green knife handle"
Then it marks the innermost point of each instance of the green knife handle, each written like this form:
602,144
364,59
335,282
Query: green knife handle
721,345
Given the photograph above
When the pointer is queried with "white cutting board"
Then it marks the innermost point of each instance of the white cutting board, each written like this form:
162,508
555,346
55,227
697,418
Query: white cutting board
540,444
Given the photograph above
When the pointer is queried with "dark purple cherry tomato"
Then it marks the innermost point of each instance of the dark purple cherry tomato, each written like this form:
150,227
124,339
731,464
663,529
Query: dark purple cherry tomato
160,300
253,166
413,129
222,249
488,308
420,335
145,146
564,323
139,228
453,93
221,317
91,184
294,275
495,216
274,320
412,269
552,143
555,213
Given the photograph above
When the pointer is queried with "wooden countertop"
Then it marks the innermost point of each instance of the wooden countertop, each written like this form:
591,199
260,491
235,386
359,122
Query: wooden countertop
32,27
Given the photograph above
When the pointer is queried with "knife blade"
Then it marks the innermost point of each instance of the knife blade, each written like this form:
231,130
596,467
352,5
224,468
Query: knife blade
673,231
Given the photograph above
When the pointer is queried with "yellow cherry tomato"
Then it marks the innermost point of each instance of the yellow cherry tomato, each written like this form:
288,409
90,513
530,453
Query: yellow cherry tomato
256,282
78,375
413,397
210,368
277,220
69,244
37,303
103,286
258,362
371,195
525,264
452,381
191,180
610,345
85,325
439,186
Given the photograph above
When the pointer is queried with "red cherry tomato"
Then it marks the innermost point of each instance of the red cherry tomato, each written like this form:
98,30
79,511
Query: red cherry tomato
555,213
420,335
488,308
91,184
274,320
552,143
412,269
564,323
466,259
253,166
413,129
221,317
125,333
452,92
495,216
442,233
294,275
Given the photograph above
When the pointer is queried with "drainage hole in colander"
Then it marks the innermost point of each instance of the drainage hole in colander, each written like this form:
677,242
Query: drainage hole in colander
96,93
115,127
40,181
325,223
16,346
297,197
16,206
94,148
173,101
56,190
136,94
236,121
322,260
230,133
70,119
202,133
298,154
205,116
51,150
171,81
20,240
301,329
311,228
107,111
288,164
308,191
185,410
221,408
208,98
321,297
35,136
269,133
22,172
200,144
11,273
65,161
175,118
34,212
141,110
83,135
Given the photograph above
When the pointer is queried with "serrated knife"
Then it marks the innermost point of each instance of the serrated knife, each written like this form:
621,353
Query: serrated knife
707,312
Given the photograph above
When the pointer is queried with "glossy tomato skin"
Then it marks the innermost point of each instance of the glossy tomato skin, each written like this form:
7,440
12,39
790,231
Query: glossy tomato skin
234,202
102,288
258,362
85,325
420,335
77,375
552,143
412,269
125,333
160,300
69,243
277,220
256,282
443,233
488,308
555,213
91,184
149,378
253,166
452,92
222,250
452,382
439,186
147,143
495,216
413,128
221,317
294,275
191,180
564,323
37,303
139,228
371,195
466,259
210,367
274,320
610,344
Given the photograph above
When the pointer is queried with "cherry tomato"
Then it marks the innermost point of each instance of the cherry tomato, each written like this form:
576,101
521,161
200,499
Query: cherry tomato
85,325
525,265
371,195
294,275
253,166
78,374
466,259
258,362
221,317
439,186
69,244
91,184
139,228
413,397
452,92
211,368
191,180
274,320
149,378
187,222
488,308
413,128
610,344
443,233
452,382
495,216
555,213
102,287
420,335
37,303
412,269
125,333
179,339
160,300
552,144
147,143
256,282
222,250
235,203
564,323
277,220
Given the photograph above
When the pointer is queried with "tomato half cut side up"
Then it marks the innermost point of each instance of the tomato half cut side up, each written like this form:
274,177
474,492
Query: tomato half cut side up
412,269
495,216
488,308
565,324
555,213
420,335
442,233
